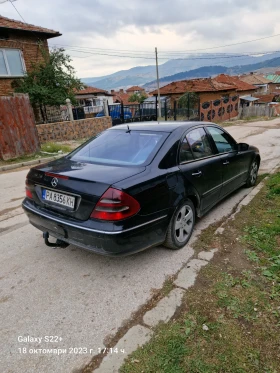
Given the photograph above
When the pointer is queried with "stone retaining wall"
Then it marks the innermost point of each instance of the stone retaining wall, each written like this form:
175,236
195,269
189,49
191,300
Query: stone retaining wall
78,129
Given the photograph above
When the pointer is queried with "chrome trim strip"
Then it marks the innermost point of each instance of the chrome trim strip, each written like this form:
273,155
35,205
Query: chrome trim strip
89,229
234,177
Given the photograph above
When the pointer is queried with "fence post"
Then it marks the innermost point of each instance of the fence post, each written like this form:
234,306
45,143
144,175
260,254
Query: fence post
156,108
140,112
122,113
165,109
175,110
69,109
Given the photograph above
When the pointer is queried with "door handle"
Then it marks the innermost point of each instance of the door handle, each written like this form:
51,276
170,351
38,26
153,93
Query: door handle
198,174
226,162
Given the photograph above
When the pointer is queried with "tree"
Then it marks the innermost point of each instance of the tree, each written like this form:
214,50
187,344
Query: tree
138,97
50,82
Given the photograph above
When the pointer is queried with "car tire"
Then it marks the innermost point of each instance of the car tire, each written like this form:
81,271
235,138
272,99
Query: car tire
181,226
253,174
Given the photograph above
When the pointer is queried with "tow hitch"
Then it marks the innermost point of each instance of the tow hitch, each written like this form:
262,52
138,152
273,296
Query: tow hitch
58,243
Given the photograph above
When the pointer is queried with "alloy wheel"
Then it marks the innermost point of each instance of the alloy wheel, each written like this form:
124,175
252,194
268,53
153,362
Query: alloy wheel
183,223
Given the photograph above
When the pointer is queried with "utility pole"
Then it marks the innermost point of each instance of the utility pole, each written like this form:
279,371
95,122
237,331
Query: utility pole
159,103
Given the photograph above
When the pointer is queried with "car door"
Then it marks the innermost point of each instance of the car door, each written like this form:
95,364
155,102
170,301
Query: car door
230,159
201,167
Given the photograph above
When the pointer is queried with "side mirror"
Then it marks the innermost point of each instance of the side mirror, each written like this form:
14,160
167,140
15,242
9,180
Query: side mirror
242,147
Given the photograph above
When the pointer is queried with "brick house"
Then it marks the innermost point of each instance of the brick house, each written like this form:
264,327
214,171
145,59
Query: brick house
135,89
122,97
20,47
274,82
257,80
207,89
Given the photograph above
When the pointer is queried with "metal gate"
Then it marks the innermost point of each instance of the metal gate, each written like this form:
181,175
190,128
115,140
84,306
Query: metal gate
187,107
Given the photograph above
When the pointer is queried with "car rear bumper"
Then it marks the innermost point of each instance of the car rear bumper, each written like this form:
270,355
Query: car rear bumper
111,243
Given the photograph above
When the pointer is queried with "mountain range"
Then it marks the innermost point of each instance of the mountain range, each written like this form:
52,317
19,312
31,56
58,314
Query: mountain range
199,65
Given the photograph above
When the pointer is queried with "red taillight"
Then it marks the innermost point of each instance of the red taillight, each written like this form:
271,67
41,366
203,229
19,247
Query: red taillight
115,205
28,193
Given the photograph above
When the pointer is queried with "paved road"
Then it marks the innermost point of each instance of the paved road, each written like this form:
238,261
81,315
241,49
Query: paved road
78,296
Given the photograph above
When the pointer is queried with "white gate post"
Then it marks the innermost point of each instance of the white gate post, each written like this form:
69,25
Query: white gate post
105,107
69,109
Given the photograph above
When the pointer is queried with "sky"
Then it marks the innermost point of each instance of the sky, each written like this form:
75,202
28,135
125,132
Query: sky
135,27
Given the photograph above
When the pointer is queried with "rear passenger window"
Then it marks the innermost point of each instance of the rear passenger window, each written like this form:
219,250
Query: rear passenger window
223,141
195,146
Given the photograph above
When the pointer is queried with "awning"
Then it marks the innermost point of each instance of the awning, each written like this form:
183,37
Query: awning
249,98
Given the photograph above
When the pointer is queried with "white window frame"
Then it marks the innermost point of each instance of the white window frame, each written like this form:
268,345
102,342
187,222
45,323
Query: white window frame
7,64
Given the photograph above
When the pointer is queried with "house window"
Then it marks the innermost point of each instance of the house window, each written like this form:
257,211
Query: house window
11,62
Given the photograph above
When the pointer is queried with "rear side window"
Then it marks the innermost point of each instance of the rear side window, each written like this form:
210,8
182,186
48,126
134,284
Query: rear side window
121,147
195,145
223,141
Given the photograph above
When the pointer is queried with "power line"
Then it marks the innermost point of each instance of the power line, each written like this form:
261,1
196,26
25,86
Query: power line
169,51
17,11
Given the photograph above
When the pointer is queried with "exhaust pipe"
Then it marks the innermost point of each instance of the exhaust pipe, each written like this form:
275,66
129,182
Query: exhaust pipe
58,243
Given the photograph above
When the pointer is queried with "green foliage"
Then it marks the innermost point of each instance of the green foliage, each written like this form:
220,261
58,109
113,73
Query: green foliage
138,97
189,99
50,82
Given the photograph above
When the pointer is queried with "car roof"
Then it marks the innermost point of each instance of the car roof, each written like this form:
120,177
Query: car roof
168,126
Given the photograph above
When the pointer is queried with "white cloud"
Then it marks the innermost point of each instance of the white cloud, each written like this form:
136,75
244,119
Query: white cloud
140,25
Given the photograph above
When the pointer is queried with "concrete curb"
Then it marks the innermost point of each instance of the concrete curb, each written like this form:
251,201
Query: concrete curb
165,309
30,163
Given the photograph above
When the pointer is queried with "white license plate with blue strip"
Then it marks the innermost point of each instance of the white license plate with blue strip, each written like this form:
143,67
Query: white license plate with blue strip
58,198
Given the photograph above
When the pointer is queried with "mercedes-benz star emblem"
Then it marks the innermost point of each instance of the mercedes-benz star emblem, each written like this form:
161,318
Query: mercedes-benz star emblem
54,182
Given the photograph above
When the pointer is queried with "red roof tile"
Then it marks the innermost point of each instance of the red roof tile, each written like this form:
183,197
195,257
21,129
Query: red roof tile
18,25
265,98
254,79
135,88
123,97
91,90
194,85
235,81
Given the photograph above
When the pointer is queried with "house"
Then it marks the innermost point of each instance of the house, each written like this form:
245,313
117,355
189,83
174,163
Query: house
207,89
21,46
274,82
267,99
257,80
91,99
245,90
122,97
135,89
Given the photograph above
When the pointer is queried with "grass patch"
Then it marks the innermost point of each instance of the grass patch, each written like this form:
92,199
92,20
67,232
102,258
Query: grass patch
53,147
230,320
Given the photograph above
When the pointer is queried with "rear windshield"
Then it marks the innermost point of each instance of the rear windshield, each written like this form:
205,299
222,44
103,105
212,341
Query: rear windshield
121,147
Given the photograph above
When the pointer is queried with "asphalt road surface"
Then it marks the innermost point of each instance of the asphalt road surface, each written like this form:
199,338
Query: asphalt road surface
78,296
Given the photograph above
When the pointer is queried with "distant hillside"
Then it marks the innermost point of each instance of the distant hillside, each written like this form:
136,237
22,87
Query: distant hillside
208,71
140,75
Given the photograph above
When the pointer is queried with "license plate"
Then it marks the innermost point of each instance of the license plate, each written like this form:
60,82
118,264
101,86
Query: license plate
59,198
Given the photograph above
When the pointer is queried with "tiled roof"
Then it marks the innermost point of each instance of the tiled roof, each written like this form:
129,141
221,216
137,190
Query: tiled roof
17,25
91,90
194,85
265,98
135,88
239,84
254,79
273,78
123,97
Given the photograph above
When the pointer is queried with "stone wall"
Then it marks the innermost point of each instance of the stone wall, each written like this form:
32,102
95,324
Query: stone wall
77,129
31,51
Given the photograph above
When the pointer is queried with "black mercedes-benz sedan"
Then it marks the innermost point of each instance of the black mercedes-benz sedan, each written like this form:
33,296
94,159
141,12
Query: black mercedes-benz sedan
137,185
